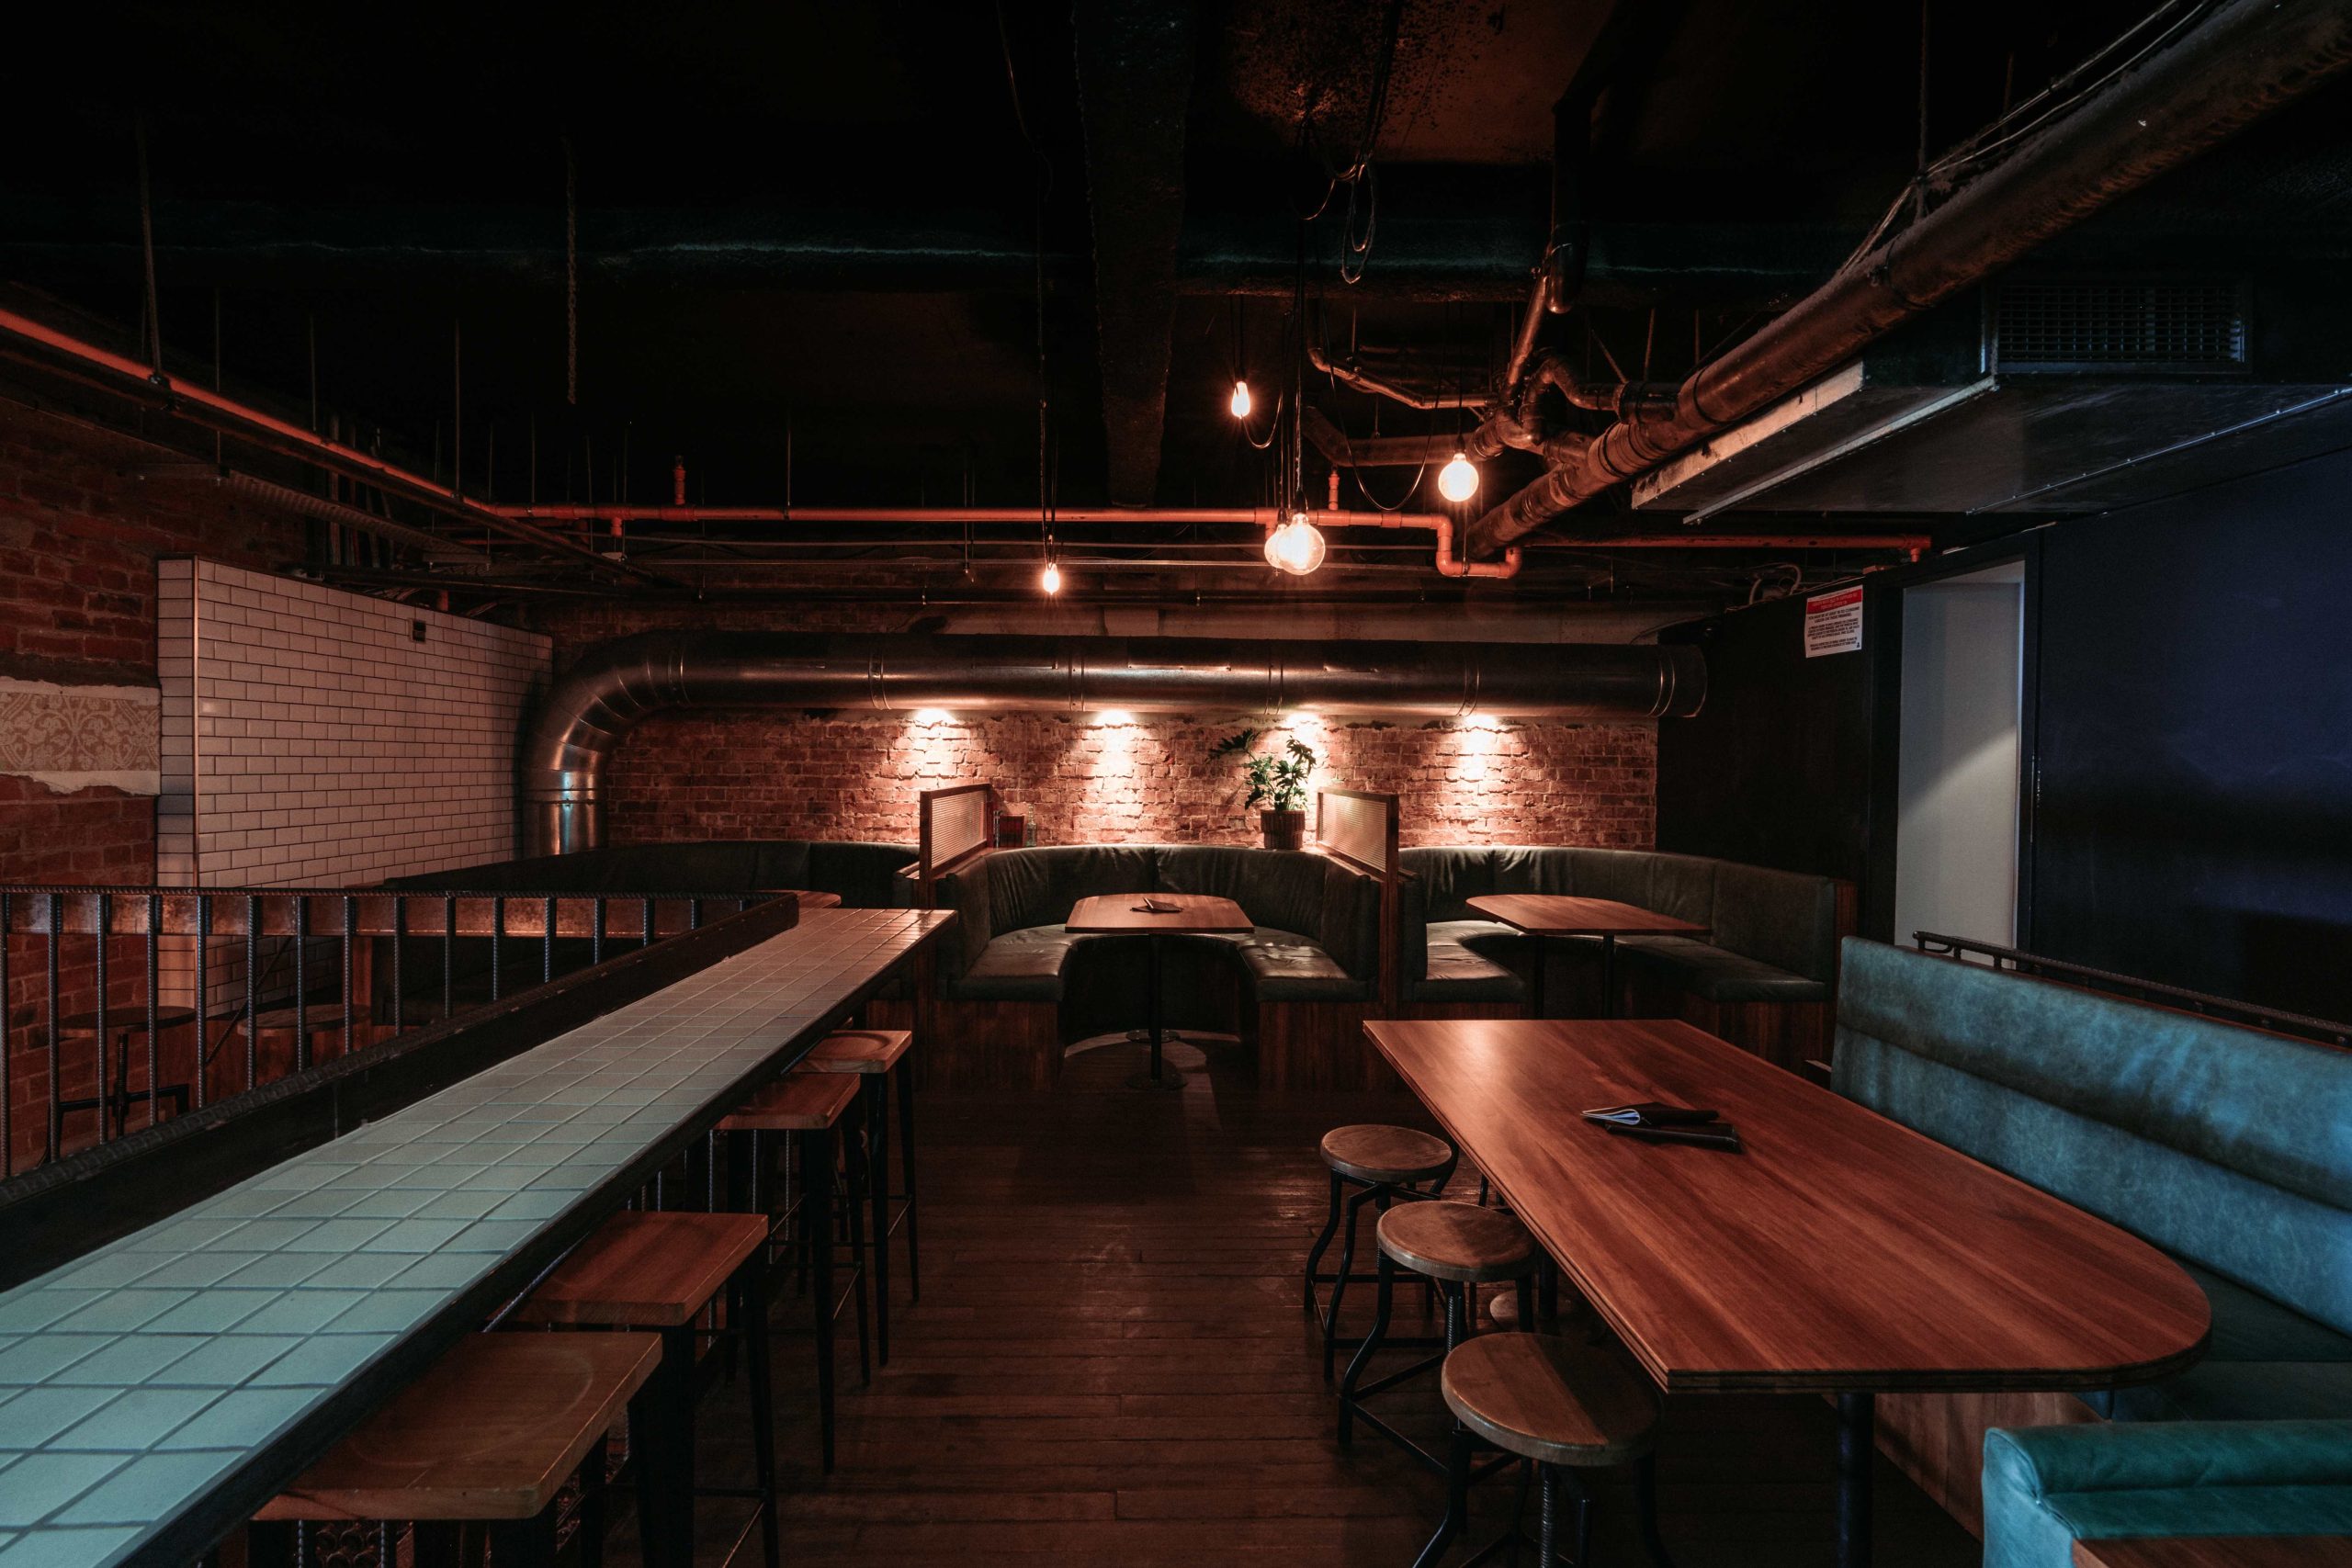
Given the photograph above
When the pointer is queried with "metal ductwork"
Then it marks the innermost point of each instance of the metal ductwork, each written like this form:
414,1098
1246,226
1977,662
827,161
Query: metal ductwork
2237,61
618,684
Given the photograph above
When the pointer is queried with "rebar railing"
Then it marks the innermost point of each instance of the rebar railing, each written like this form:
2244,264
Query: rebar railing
96,980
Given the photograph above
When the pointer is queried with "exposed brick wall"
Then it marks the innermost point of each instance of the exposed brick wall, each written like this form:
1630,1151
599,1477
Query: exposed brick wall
751,774
79,534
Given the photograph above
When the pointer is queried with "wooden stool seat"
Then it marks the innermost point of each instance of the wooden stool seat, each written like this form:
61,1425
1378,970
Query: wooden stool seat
1369,1152
859,1051
796,1102
1461,1242
130,1018
318,1018
646,1271
490,1432
1559,1401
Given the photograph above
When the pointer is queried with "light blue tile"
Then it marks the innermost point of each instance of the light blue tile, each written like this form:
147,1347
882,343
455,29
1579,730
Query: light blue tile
417,1236
43,1356
39,1485
269,1236
105,1270
496,1235
198,1267
326,1362
149,1486
247,1202
533,1206
388,1311
138,1420
276,1270
212,1312
37,1415
118,1311
301,1312
360,1271
246,1417
66,1548
338,1235
225,1362
393,1203
461,1206
181,1233
448,1270
22,1310
128,1361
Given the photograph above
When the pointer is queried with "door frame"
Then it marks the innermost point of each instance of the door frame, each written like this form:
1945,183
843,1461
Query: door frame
1883,608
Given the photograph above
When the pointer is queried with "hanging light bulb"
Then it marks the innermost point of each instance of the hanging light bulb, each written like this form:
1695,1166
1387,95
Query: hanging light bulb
1458,480
1240,402
1297,546
1050,580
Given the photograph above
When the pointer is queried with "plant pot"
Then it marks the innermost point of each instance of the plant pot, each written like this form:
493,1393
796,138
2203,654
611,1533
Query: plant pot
1283,830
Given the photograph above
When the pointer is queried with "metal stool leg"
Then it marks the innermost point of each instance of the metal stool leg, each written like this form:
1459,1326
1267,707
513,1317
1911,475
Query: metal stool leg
857,1176
1385,1296
1322,1244
751,1318
906,1087
816,1219
593,1472
876,1092
1457,1502
1646,1507
1339,1284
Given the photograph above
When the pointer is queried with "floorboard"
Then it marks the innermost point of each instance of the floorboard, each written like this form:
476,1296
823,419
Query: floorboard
1110,1365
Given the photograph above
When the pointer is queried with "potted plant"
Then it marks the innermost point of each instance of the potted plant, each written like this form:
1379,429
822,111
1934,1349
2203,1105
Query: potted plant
1278,783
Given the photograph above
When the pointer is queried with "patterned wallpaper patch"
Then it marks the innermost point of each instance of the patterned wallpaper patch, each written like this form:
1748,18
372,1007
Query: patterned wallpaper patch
71,737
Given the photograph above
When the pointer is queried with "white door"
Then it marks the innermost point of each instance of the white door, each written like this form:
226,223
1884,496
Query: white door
1956,825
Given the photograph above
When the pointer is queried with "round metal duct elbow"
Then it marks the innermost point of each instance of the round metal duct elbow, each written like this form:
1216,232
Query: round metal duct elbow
617,684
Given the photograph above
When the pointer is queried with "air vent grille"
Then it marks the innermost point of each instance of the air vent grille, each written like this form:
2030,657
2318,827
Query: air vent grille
2119,326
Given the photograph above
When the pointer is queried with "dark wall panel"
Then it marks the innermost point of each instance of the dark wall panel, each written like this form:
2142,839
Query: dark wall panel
1775,770
2195,739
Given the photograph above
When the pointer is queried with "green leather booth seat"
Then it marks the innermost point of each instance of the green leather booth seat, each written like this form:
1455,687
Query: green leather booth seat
2225,1146
2047,1487
863,874
1773,935
1315,935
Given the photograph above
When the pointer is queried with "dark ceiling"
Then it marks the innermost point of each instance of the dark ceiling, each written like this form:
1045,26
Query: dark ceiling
810,236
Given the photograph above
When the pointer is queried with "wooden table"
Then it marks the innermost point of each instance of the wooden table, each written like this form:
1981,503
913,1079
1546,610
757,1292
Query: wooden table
1841,1254
1186,914
1547,914
2218,1551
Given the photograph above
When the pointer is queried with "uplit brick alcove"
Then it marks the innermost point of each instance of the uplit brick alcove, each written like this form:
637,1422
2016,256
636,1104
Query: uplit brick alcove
1095,780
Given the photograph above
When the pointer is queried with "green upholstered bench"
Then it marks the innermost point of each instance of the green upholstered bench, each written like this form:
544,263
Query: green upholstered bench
1315,942
2047,1487
2225,1145
1764,977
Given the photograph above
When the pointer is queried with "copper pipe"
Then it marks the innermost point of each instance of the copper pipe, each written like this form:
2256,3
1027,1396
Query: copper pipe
2243,60
201,405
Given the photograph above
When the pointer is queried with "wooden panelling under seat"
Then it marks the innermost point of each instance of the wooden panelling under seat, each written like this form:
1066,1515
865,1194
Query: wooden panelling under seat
1787,1035
989,1045
1938,1439
1315,1045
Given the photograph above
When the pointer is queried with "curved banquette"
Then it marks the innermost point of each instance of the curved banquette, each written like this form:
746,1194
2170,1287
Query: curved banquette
1765,977
1014,984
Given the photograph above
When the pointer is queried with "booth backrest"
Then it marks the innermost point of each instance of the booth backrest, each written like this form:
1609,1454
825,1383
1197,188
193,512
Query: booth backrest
864,874
1785,919
1310,894
2226,1145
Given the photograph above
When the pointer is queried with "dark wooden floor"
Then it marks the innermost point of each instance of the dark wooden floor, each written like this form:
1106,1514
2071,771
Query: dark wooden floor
1110,1365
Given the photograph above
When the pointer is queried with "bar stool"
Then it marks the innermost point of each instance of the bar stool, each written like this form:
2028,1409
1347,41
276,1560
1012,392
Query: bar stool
121,1025
811,1105
1461,1247
877,1057
660,1271
1386,1163
486,1437
1561,1406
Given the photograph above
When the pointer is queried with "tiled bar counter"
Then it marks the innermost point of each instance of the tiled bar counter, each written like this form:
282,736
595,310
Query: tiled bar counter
156,1391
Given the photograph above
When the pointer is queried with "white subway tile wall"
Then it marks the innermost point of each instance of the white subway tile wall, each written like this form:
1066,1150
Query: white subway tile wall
311,740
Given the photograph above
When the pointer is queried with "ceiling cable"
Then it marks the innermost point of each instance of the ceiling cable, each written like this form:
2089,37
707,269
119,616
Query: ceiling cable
147,245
